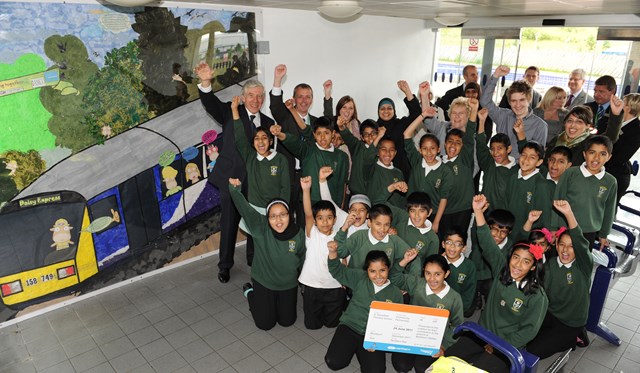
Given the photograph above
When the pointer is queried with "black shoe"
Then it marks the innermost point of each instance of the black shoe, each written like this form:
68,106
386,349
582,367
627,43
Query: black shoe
246,288
224,276
583,338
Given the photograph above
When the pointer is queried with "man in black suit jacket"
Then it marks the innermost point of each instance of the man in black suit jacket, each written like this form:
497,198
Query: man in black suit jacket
470,74
605,87
627,145
302,99
229,163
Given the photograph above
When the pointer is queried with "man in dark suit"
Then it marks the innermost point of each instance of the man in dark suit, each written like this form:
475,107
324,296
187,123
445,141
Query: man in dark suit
619,164
576,96
302,101
470,74
531,76
605,87
229,163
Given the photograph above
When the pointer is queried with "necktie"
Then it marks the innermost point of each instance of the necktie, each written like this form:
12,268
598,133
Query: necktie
253,124
599,114
569,101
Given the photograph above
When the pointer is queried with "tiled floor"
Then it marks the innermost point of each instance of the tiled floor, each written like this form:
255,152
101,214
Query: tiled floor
184,320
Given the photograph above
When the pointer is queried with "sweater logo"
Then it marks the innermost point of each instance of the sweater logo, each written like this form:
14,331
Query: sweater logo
419,245
461,277
395,179
389,252
517,303
601,191
274,170
440,306
529,197
438,182
455,169
292,246
569,278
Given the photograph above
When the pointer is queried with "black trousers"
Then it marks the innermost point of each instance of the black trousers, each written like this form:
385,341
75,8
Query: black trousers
345,344
269,307
554,336
471,349
406,362
322,307
229,220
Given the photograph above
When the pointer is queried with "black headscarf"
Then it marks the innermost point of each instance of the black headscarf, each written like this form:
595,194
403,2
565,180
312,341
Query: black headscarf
291,229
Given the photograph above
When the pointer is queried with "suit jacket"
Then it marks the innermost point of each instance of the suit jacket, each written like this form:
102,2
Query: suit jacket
580,99
284,118
229,163
445,101
626,146
603,121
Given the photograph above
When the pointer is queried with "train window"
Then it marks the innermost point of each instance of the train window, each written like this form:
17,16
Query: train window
104,214
193,168
172,178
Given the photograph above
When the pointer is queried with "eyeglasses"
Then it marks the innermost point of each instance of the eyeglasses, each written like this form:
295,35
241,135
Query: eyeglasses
457,245
370,134
499,231
279,216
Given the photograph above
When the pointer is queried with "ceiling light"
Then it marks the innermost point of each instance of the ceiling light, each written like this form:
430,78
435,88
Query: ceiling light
130,3
451,19
340,8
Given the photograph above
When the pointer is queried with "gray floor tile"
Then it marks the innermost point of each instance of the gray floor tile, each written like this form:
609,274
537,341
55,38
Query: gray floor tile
294,364
210,363
144,336
133,324
275,353
206,326
88,360
102,368
170,325
125,312
77,346
117,347
48,341
220,339
182,337
14,354
159,313
89,309
107,334
186,369
127,362
71,333
18,367
195,350
235,352
49,358
242,327
181,305
155,349
168,363
63,367
145,368
252,364
314,354
298,341
193,315
258,340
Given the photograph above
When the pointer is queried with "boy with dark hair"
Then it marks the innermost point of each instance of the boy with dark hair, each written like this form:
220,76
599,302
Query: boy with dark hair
463,272
386,183
315,154
363,153
375,238
591,190
558,162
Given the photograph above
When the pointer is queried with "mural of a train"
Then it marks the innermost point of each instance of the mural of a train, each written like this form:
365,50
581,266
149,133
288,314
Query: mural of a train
106,203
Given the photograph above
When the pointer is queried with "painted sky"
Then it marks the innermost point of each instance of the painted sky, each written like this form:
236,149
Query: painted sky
24,26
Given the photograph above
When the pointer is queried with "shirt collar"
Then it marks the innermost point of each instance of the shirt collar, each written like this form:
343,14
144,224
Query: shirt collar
528,176
457,262
377,288
424,230
446,159
587,173
549,178
428,168
352,229
383,166
269,157
605,106
331,148
512,162
560,264
374,240
502,244
256,120
442,293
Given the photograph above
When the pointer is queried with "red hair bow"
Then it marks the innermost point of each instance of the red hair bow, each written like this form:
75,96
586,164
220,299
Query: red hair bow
536,250
560,231
547,234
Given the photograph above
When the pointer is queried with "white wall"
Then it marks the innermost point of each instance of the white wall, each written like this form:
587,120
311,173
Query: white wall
364,58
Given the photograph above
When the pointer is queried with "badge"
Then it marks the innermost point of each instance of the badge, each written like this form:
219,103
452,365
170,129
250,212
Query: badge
517,303
274,170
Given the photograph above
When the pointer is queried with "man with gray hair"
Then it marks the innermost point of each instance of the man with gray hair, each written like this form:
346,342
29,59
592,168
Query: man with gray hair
229,163
576,96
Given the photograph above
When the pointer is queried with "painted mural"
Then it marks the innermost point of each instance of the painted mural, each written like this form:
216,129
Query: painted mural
104,155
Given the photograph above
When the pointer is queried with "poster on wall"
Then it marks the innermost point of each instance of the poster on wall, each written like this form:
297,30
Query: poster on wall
103,156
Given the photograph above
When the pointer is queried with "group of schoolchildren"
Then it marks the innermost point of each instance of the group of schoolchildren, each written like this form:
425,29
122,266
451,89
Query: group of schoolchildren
402,238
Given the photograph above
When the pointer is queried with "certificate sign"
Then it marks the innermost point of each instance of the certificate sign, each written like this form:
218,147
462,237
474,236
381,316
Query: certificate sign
405,328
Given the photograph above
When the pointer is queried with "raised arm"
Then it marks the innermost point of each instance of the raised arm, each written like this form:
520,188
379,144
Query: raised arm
487,102
580,243
305,184
217,109
239,134
615,119
253,218
328,100
410,131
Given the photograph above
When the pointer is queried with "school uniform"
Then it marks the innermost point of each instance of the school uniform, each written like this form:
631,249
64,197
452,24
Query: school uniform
275,269
462,279
567,286
422,295
349,335
434,180
526,193
381,177
360,243
363,157
495,176
484,277
322,295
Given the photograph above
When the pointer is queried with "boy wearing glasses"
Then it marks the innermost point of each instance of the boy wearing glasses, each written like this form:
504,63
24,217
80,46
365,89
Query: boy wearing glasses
462,278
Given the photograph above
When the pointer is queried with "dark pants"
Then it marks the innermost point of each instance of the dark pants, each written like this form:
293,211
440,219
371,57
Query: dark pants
554,336
229,220
407,362
270,306
471,349
448,221
250,250
345,344
322,307
591,237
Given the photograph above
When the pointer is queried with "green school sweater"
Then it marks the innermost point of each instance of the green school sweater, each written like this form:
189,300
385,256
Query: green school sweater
358,246
437,184
380,180
509,313
416,286
357,313
426,244
362,160
462,174
312,159
483,271
276,263
494,179
463,280
536,193
267,179
593,201
568,288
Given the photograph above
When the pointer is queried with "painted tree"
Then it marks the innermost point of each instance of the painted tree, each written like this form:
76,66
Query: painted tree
29,166
7,185
65,100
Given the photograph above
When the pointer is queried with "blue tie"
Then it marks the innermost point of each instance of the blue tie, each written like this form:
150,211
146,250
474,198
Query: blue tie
599,114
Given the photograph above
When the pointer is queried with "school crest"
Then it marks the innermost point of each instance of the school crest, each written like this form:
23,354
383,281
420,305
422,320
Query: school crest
517,303
461,277
419,245
389,252
601,191
455,169
438,182
274,170
440,306
395,180
292,246
529,197
569,278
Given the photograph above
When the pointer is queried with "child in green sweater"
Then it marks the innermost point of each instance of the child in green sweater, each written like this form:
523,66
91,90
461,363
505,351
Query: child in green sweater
428,290
279,255
463,271
567,283
385,182
369,285
516,304
363,153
